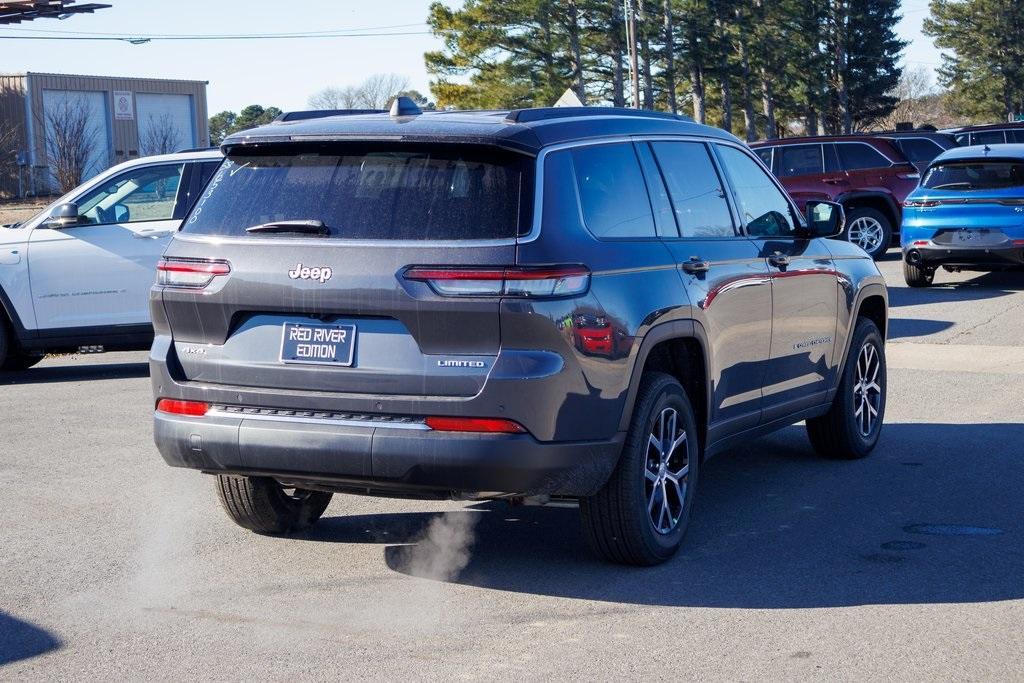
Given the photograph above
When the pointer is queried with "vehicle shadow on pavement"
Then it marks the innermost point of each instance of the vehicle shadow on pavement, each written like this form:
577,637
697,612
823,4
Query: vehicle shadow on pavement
900,328
75,373
933,516
985,286
21,640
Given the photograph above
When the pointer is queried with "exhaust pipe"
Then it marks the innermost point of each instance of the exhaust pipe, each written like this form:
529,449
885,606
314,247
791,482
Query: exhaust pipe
914,257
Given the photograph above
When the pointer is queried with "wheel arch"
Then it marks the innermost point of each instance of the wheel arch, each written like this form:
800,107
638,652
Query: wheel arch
678,348
10,315
878,201
873,303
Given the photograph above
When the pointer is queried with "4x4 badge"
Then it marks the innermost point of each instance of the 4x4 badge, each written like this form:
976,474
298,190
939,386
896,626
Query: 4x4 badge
301,272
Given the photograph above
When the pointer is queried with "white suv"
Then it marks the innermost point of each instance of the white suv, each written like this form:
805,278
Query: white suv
78,273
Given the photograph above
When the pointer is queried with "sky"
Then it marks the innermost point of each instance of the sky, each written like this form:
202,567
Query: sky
283,73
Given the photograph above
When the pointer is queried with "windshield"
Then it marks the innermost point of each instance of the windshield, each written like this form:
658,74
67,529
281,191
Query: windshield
974,175
370,191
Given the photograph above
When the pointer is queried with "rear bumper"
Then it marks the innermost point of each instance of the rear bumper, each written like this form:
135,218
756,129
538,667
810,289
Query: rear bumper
987,256
396,459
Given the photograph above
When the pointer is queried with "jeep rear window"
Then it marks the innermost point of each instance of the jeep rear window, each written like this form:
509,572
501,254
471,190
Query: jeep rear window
974,175
371,191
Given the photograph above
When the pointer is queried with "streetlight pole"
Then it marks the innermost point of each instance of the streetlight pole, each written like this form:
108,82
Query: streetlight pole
634,67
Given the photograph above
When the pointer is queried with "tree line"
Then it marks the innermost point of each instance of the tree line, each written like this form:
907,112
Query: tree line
749,66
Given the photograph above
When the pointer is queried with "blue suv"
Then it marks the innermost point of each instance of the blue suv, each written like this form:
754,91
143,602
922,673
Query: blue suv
967,214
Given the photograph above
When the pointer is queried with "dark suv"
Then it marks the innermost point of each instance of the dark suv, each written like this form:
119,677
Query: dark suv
535,305
868,175
989,134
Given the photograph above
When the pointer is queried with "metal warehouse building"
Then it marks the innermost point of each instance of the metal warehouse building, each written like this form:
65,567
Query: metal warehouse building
123,118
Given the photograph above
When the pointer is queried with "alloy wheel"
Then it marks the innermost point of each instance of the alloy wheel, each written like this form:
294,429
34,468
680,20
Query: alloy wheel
867,233
867,394
667,471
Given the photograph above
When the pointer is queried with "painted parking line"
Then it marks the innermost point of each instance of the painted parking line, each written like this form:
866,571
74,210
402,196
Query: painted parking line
998,360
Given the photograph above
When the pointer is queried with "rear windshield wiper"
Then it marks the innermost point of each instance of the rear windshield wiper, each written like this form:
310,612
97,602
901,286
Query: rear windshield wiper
312,227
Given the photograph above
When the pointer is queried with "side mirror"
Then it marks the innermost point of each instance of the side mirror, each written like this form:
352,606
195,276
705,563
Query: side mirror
64,216
825,219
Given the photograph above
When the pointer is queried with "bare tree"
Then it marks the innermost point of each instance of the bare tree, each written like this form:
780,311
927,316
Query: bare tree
162,135
347,97
10,136
70,141
917,94
378,90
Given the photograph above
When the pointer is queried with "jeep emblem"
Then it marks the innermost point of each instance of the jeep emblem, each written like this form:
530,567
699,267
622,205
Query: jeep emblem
321,274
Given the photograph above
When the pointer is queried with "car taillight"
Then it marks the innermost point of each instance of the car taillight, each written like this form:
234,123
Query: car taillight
179,407
189,273
920,203
484,425
517,281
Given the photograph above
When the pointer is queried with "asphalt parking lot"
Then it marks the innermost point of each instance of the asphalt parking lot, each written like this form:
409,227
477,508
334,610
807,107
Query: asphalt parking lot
907,565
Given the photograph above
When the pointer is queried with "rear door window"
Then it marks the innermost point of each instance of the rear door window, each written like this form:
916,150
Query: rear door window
1015,135
799,160
765,154
612,191
696,191
855,156
371,191
974,175
988,137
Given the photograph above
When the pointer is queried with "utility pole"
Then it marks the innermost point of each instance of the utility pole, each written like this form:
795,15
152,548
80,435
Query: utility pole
634,67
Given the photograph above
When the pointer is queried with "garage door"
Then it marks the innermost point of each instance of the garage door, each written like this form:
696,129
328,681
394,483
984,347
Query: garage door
76,120
165,123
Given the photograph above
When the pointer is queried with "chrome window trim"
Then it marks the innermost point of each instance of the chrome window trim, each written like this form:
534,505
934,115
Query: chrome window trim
871,147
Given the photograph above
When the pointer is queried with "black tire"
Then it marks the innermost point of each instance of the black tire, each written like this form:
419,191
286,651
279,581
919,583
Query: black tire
917,276
262,505
839,434
869,215
11,357
616,521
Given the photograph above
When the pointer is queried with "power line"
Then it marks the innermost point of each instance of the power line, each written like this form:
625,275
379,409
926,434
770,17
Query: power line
136,40
296,34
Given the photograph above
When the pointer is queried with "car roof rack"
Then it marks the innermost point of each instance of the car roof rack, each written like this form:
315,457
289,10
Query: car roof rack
321,113
553,113
211,148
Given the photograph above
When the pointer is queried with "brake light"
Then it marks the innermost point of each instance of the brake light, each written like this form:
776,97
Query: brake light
486,425
920,203
518,281
1018,243
178,407
190,273
920,243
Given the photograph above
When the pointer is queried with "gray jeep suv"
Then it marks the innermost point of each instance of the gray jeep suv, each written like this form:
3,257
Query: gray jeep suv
532,305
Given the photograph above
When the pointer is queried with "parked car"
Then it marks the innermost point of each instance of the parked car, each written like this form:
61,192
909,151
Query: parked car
868,175
381,305
988,134
78,273
968,214
919,147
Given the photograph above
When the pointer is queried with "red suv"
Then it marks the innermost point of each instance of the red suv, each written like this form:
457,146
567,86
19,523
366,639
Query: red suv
868,175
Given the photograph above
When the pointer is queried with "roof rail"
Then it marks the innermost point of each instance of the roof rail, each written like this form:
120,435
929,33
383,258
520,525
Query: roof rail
197,149
551,113
321,113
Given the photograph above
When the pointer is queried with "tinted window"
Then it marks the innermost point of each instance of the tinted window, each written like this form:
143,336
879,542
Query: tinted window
1015,135
919,149
832,164
612,191
964,139
765,153
974,175
799,160
142,194
763,207
369,192
698,197
855,156
988,137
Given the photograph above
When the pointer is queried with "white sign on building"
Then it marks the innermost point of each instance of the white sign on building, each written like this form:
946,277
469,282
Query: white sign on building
124,108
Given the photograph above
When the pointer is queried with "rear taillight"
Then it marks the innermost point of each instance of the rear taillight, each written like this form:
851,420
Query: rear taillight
484,425
517,281
920,203
178,407
189,273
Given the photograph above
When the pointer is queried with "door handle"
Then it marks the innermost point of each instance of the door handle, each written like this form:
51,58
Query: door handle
696,265
145,234
833,181
779,260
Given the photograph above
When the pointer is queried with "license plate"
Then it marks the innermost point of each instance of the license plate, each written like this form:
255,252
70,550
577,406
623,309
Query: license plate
319,344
